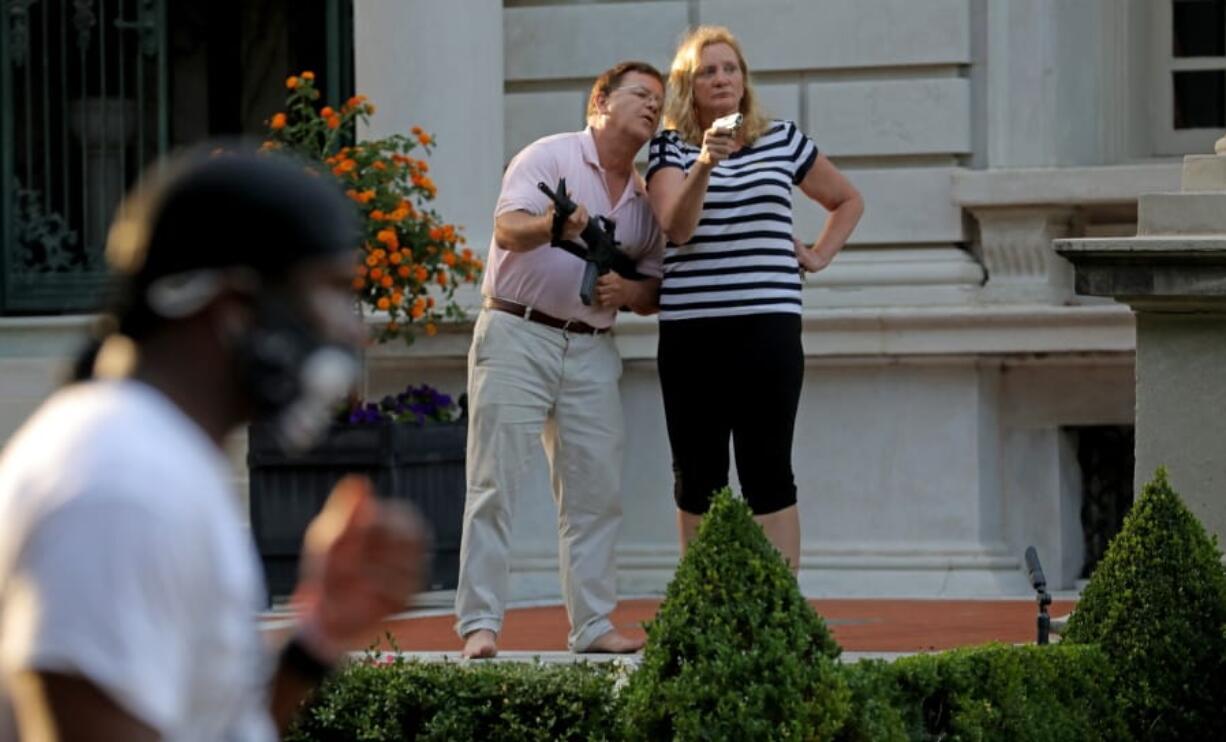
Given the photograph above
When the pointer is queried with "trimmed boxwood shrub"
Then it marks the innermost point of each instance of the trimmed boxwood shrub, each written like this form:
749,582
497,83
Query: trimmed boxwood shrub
735,651
1156,605
1053,693
408,700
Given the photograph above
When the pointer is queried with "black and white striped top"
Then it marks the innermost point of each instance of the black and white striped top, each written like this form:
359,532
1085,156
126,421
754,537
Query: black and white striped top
741,258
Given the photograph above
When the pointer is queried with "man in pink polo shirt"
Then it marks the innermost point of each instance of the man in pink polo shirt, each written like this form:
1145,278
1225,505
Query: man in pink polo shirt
543,368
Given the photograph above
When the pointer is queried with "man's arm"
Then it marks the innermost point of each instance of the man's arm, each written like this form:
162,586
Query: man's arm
519,231
67,708
643,297
361,560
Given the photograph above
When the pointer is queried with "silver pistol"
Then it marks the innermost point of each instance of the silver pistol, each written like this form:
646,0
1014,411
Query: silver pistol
729,123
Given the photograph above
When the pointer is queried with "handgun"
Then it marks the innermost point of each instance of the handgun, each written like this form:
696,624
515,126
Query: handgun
729,123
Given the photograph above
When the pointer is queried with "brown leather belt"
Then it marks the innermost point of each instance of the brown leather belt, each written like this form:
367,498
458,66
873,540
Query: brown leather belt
536,315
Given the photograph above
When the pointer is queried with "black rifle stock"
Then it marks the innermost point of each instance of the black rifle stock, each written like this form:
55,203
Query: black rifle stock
599,250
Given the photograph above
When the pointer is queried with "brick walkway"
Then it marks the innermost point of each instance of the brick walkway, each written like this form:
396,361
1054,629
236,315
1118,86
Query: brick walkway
858,625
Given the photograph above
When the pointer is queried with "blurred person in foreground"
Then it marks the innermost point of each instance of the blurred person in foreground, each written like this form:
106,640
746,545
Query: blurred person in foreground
128,585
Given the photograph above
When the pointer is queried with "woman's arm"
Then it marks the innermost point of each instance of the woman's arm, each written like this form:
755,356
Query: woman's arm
830,188
677,196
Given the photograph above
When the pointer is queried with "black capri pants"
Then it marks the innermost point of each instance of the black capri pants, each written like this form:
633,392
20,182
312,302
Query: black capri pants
737,377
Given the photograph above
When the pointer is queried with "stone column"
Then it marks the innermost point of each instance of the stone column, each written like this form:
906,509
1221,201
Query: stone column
427,63
1173,276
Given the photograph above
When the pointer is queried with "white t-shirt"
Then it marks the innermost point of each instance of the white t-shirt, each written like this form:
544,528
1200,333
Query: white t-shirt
123,560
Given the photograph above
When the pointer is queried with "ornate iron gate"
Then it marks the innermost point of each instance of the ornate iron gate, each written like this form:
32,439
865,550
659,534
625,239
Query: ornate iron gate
84,110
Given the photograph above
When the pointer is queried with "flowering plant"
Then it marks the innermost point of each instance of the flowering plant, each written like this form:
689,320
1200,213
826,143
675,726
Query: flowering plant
409,254
422,404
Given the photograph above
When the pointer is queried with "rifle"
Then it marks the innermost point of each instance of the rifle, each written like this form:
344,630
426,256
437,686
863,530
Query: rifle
601,252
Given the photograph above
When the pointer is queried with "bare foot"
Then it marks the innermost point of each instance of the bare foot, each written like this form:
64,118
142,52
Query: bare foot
614,643
480,645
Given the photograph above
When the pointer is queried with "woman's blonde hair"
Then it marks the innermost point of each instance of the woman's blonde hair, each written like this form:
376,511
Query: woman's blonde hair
679,110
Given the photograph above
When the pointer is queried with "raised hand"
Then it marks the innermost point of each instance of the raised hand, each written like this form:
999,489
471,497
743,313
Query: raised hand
362,559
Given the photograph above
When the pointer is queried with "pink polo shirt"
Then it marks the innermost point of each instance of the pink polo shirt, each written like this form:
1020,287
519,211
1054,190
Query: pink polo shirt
547,278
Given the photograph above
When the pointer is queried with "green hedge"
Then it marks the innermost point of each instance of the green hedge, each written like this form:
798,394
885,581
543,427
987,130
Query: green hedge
735,651
404,700
1058,692
1156,604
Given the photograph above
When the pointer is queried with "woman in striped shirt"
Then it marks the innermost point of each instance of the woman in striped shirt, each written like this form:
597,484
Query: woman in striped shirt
730,357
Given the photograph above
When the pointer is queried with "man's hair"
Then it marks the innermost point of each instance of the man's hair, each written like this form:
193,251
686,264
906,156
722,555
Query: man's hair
679,110
611,79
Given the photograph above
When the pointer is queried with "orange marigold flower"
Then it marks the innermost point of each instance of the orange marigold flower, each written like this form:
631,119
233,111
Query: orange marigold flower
291,82
278,121
449,258
436,233
425,138
326,111
347,165
388,237
421,274
403,271
334,122
308,75
416,130
468,254
397,298
383,303
386,282
359,283
416,312
423,166
431,329
377,215
372,261
398,214
441,278
376,274
379,165
395,258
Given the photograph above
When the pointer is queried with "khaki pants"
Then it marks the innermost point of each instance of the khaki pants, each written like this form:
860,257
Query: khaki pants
528,385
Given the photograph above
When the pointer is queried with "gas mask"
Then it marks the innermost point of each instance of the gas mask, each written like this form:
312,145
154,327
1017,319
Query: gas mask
292,374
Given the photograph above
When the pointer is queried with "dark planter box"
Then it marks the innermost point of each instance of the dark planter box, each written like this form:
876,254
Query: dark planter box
422,465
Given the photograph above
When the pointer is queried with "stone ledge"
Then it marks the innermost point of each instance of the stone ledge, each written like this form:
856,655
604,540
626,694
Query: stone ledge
1107,184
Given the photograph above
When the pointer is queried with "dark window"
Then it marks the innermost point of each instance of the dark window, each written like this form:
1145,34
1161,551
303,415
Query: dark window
1200,99
1199,28
1105,454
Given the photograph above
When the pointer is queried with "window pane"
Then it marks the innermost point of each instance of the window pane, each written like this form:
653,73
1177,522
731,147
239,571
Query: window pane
1200,99
1199,28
